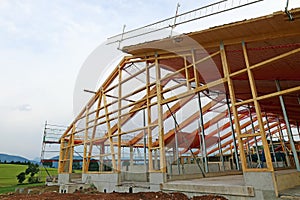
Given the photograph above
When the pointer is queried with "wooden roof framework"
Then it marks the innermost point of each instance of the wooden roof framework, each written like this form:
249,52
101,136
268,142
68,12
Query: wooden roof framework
241,61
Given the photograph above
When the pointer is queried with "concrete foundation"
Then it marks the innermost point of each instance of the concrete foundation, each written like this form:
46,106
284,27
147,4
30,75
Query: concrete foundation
156,181
134,173
263,184
249,185
103,182
287,179
194,168
64,179
72,187
232,187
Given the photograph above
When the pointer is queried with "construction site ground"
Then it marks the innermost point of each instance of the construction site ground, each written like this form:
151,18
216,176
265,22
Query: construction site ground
51,192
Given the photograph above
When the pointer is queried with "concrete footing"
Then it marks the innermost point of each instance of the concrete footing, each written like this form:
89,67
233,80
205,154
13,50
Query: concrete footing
263,184
249,185
103,182
156,180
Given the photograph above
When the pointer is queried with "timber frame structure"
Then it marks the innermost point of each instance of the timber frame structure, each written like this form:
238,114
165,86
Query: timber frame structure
235,94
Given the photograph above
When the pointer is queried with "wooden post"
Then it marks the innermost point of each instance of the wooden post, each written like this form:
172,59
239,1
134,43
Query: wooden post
110,138
85,157
258,111
162,155
226,72
149,120
119,118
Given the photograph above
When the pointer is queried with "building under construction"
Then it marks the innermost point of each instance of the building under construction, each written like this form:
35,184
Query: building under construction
210,112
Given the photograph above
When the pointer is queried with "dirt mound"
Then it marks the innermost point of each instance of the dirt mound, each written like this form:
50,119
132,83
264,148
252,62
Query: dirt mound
49,193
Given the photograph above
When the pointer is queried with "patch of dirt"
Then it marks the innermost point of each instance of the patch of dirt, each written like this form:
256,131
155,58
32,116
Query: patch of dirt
49,193
209,197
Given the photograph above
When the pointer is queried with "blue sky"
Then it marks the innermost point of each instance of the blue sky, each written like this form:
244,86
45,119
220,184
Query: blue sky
44,43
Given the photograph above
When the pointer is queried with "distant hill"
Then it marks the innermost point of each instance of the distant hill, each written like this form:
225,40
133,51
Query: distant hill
14,158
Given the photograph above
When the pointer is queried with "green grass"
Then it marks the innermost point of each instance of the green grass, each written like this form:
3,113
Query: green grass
8,173
8,179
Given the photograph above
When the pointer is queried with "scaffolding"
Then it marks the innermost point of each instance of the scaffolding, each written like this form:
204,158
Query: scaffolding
180,19
50,146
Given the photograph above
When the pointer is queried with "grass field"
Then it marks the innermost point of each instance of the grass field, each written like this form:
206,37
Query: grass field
8,179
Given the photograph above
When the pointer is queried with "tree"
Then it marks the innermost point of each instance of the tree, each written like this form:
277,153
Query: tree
21,177
33,179
32,169
76,165
94,166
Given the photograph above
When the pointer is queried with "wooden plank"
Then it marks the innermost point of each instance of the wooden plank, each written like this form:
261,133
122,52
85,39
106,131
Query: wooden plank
109,134
160,121
85,159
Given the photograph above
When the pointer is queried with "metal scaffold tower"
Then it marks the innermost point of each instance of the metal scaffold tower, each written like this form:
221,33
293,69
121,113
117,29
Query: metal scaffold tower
50,146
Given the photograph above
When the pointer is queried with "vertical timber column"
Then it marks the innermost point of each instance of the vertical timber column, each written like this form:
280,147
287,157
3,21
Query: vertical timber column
119,118
149,131
71,149
160,117
258,111
61,163
85,157
288,126
226,72
110,138
267,174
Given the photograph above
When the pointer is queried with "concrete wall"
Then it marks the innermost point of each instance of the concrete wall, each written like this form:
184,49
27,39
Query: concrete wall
194,169
287,180
231,192
110,182
103,182
134,173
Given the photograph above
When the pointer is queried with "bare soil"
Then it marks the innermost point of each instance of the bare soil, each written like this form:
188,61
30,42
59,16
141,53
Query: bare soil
49,193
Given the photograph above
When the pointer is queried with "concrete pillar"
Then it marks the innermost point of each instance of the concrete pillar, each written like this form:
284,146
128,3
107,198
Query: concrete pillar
264,184
64,178
156,179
